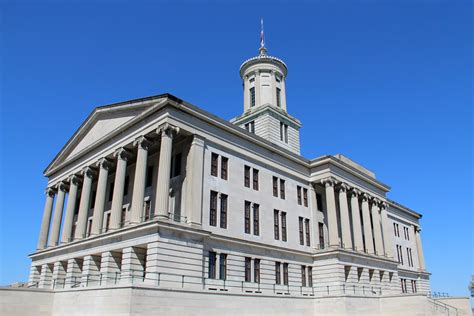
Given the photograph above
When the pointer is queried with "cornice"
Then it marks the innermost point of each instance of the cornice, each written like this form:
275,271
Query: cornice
254,112
404,209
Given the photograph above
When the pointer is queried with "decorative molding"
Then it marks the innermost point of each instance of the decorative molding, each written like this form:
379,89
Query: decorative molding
329,181
63,186
74,180
50,192
104,163
168,129
88,172
122,153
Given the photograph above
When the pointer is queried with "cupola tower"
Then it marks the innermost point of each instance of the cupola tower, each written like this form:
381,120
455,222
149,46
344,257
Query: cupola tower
265,111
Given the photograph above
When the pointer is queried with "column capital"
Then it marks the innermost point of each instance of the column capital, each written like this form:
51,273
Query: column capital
417,229
375,202
355,192
142,142
74,180
329,182
88,172
365,197
383,205
198,140
50,192
343,187
122,153
168,129
63,186
104,163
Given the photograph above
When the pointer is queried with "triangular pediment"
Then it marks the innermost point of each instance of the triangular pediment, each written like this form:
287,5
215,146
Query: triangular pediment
101,124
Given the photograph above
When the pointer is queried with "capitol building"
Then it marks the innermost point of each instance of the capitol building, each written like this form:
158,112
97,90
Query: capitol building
155,206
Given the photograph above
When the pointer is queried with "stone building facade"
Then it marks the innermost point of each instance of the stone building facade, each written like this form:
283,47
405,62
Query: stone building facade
157,193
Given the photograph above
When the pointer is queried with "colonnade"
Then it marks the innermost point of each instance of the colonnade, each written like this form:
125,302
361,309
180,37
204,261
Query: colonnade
100,170
370,233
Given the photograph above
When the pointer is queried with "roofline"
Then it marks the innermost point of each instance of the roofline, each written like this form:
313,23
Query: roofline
404,208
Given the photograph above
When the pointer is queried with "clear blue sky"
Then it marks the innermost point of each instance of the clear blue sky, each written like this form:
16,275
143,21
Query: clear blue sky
387,83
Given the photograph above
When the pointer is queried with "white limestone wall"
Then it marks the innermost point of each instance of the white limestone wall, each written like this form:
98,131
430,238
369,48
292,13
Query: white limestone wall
25,302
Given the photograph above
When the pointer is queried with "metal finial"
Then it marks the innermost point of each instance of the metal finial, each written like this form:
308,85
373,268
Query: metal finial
262,49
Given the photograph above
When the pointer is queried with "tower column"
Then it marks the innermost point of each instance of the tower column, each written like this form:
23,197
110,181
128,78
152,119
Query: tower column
164,169
74,182
99,204
273,87
48,208
140,177
369,244
257,89
84,204
387,240
122,156
356,223
283,93
345,222
58,215
246,93
377,228
331,212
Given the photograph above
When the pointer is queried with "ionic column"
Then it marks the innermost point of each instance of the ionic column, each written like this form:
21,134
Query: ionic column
419,249
331,212
119,186
387,236
345,223
377,228
356,223
97,218
257,88
194,176
369,244
164,168
140,177
48,208
84,204
283,93
74,182
58,216
246,93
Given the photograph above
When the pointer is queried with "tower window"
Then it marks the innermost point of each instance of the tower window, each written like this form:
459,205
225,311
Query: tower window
283,132
252,97
250,127
278,92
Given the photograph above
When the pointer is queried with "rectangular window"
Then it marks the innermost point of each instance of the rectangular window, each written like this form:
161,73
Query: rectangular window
247,176
107,222
256,270
310,276
125,186
285,273
305,197
283,132
277,272
307,233
252,97
278,96
319,202
176,171
321,235
255,179
149,176
282,189
300,222
213,209
214,163
248,269
298,194
222,266
224,164
212,265
250,127
276,225
256,221
275,186
283,226
413,286
247,217
223,214
303,275
111,192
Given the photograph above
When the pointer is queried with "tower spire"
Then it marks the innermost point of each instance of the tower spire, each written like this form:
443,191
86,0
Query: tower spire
262,48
